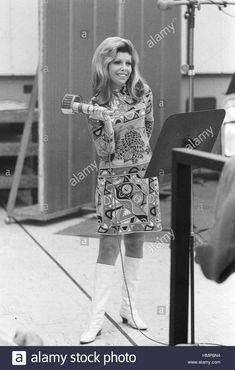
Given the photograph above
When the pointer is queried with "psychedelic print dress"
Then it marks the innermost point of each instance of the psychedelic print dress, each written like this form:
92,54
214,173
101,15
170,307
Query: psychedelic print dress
125,201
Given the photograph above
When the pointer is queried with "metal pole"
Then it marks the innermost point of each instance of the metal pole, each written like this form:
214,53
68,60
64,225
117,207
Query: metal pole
190,16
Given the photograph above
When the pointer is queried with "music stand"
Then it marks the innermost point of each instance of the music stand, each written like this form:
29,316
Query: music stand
175,132
194,130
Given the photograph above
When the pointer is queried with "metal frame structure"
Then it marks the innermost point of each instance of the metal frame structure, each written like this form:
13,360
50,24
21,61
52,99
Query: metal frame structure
183,161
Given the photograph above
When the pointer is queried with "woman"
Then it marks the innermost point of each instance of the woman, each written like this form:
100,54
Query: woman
126,203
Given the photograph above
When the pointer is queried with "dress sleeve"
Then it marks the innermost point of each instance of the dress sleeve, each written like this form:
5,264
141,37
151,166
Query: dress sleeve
149,120
104,143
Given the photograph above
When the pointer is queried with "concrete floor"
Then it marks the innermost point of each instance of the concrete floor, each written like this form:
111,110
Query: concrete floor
46,281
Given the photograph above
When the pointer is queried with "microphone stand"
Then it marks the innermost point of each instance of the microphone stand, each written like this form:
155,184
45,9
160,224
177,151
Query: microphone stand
190,17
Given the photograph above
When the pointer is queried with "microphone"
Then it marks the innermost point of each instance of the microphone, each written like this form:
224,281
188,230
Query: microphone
74,104
165,4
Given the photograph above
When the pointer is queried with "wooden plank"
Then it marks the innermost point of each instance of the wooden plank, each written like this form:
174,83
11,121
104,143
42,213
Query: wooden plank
16,115
157,65
65,150
23,147
106,20
33,212
138,26
134,21
13,149
26,182
171,62
54,83
82,151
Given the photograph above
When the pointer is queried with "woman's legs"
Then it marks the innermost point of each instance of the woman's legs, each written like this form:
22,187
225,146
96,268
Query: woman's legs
108,253
132,268
108,249
134,245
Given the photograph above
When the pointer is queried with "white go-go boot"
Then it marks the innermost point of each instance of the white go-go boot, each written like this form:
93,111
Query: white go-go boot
129,315
101,293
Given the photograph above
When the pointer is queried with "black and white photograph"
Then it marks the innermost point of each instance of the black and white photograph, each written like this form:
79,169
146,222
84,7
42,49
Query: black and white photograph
117,183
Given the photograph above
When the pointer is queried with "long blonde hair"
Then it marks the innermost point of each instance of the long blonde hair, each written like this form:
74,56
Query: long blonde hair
104,54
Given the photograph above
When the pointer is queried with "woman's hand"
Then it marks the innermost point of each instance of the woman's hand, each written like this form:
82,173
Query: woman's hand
103,114
100,113
108,126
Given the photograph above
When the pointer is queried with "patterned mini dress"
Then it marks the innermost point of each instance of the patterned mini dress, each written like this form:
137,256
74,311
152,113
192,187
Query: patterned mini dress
126,202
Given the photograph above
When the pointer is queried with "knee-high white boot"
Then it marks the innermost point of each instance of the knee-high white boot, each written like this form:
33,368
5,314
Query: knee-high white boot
132,267
101,292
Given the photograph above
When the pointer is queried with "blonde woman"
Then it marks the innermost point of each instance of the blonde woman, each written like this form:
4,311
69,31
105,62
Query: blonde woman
127,204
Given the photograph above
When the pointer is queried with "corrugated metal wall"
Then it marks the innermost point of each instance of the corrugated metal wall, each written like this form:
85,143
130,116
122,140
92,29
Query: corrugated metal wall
70,30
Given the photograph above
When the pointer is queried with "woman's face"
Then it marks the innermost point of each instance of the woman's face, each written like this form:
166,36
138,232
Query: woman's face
120,69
